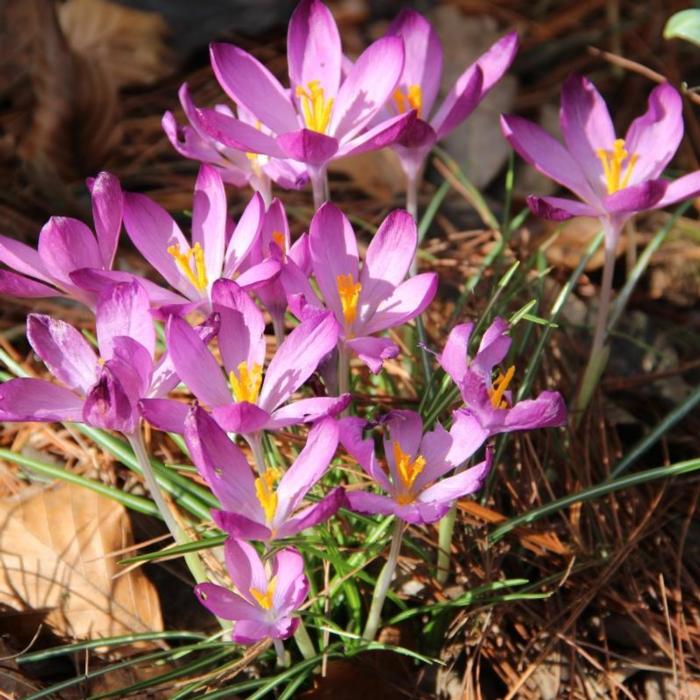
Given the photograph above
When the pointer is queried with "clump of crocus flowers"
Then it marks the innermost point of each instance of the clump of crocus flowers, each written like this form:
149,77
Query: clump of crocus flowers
339,303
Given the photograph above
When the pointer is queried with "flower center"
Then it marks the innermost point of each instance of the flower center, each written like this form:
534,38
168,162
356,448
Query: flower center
196,276
314,106
412,98
265,491
407,470
349,292
500,386
264,600
617,177
245,382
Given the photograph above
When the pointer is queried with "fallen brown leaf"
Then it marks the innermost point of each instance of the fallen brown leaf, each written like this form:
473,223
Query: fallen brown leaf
54,553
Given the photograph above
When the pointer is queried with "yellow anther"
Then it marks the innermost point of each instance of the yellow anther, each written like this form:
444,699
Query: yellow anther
264,600
278,238
265,491
407,470
349,292
500,386
411,99
617,177
314,106
198,276
245,382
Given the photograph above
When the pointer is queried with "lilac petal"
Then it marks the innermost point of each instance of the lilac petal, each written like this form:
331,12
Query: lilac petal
366,89
308,146
189,143
287,173
244,566
546,154
196,365
38,400
297,358
468,435
408,300
249,83
152,230
548,410
292,586
222,464
683,188
436,447
300,253
467,94
313,47
244,235
242,326
373,351
224,603
493,347
655,136
313,515
65,245
586,127
333,253
362,449
559,208
237,525
384,134
636,198
241,417
64,350
461,484
23,259
308,467
259,275
405,428
251,631
124,309
300,293
308,410
132,365
423,65
15,285
453,358
107,210
371,503
419,513
165,414
108,406
209,219
236,134
388,257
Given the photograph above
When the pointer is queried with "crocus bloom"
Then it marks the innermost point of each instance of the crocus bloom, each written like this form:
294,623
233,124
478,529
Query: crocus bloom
234,165
266,599
100,391
248,402
613,178
415,490
420,81
65,245
325,115
214,252
489,407
367,301
268,506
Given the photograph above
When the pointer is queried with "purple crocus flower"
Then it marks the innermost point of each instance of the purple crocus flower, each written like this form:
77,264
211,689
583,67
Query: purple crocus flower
416,493
266,507
613,178
65,245
235,166
325,115
367,301
489,407
248,402
420,81
266,599
100,391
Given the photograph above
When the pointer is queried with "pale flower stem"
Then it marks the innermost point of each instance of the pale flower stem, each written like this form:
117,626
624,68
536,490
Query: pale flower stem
278,327
412,208
343,369
319,185
192,559
255,442
281,656
304,642
445,535
383,583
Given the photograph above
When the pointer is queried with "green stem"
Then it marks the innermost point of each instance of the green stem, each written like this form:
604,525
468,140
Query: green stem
446,532
383,582
303,641
281,656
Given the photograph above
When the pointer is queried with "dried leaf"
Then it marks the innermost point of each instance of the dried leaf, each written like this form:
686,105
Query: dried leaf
55,546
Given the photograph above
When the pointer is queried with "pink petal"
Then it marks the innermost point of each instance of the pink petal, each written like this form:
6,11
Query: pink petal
559,208
241,417
244,566
165,414
636,198
292,586
683,188
362,449
237,525
225,604
23,259
453,358
386,133
38,400
373,351
107,210
308,146
209,219
460,485
493,347
314,514
462,102
371,503
244,235
308,410
405,428
19,286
